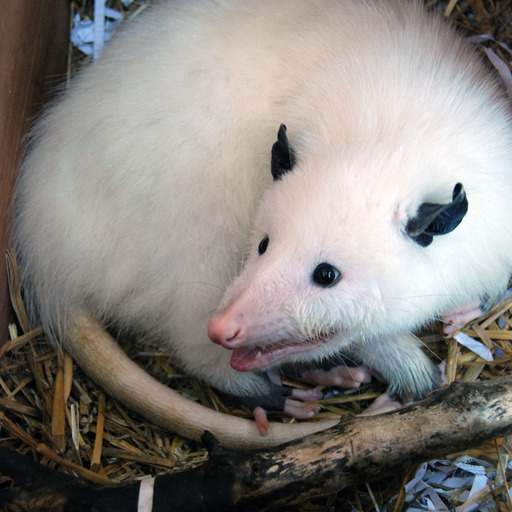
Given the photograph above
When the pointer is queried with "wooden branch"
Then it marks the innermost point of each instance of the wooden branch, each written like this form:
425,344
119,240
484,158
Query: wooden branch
454,419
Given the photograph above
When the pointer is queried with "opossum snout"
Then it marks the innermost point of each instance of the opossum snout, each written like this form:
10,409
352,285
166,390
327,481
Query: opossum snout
225,330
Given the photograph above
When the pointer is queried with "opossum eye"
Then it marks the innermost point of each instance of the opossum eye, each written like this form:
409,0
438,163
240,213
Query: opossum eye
283,158
263,246
438,219
326,275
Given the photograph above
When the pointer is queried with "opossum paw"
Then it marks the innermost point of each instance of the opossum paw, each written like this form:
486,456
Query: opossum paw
341,376
300,410
308,395
458,318
296,408
390,401
301,404
297,403
415,383
383,403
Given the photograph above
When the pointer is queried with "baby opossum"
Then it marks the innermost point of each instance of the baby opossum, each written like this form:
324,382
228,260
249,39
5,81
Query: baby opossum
352,156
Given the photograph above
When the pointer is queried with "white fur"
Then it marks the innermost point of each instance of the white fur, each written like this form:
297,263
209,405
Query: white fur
139,192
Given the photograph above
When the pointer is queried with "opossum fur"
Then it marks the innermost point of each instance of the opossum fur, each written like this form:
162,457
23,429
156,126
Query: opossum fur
147,188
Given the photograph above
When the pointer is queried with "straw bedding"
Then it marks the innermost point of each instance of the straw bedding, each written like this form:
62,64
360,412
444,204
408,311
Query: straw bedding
52,412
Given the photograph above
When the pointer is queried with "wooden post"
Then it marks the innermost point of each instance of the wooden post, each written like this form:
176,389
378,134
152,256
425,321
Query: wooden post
34,45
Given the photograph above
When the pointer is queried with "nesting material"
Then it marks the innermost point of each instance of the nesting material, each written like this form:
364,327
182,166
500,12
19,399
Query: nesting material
52,412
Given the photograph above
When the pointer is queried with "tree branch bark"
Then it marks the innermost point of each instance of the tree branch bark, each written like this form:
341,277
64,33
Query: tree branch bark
453,419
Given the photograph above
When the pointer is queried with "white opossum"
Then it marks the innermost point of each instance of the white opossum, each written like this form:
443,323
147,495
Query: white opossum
149,184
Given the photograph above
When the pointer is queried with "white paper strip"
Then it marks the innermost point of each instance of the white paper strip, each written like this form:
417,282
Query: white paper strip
475,346
99,28
146,492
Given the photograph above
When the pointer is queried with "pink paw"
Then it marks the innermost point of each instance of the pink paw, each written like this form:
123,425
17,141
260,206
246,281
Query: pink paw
383,403
300,405
458,318
341,376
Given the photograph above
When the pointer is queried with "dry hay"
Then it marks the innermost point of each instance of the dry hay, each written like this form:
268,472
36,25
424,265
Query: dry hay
52,412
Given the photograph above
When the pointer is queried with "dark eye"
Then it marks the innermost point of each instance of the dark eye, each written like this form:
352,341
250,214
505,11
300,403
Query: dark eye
263,246
326,275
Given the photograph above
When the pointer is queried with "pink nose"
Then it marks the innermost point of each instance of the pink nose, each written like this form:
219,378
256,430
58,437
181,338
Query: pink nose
225,331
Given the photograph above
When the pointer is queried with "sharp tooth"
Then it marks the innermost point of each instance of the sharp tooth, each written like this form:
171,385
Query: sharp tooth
258,355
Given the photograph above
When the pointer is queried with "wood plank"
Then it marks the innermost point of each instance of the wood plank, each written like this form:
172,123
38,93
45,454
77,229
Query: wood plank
33,55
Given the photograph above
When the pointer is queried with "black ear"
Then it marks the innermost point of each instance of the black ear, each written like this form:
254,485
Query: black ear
283,158
438,219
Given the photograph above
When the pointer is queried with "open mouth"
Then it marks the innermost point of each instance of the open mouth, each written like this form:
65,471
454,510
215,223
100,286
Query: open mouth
257,358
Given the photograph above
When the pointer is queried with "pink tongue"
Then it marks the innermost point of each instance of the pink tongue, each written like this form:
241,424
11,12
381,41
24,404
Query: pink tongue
249,359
